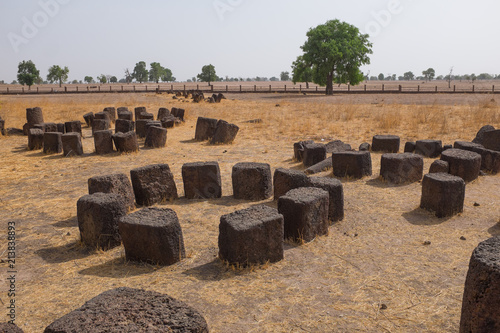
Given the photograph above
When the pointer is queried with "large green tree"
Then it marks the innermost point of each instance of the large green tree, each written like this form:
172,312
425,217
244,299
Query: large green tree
58,74
207,74
88,79
156,72
301,72
429,74
167,76
140,72
335,51
27,74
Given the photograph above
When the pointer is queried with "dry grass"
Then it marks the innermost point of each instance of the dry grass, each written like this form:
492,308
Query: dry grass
336,283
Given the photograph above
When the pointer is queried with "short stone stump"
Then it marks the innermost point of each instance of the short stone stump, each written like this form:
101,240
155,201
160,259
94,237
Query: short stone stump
153,184
298,150
335,196
125,115
10,328
205,128
251,236
140,127
100,125
103,142
138,110
429,148
354,164
439,166
52,143
482,289
401,168
34,116
224,133
385,143
131,310
98,216
156,137
305,212
162,113
491,140
35,139
178,113
168,122
480,134
146,115
285,180
124,126
61,128
313,154
115,183
365,146
73,126
89,118
410,147
202,180
126,142
252,181
490,159
111,111
152,235
443,194
464,164
47,127
102,116
72,144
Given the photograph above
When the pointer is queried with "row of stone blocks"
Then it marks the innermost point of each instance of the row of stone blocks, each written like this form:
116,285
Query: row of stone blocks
217,131
55,142
122,113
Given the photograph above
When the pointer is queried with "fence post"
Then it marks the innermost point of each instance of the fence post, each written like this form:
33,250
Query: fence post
436,88
316,88
184,88
134,87
473,88
65,89
454,88
122,88
77,89
227,88
212,88
146,87
255,88
99,88
493,89
51,90
87,88
383,87
7,90
23,89
300,88
197,87
270,88
348,87
400,88
364,88
418,88
172,87
110,88
285,87
240,87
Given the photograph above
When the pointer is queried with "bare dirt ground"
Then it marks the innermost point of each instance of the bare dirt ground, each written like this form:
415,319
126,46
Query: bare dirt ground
337,283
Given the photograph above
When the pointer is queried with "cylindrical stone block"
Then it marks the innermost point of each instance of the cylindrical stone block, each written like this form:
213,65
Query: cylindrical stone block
72,144
156,137
401,168
205,128
126,142
35,139
313,154
443,194
73,126
34,116
99,125
464,164
429,148
385,143
124,126
103,142
252,181
355,164
52,143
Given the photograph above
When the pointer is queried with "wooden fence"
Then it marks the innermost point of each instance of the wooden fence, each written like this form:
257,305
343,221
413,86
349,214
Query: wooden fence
234,88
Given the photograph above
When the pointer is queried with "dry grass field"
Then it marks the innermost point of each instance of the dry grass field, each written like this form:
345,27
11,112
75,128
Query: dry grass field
338,283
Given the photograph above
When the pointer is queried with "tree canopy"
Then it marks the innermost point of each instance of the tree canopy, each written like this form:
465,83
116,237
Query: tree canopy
301,72
429,74
334,52
285,76
27,74
140,72
208,74
88,79
57,74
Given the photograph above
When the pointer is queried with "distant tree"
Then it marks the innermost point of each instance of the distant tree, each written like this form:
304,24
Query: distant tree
128,76
409,76
102,78
58,74
123,80
27,74
113,79
285,76
13,82
401,78
301,72
473,77
439,77
429,74
89,79
167,76
207,74
381,77
373,78
74,82
156,72
485,76
193,79
393,77
248,79
140,72
274,78
335,51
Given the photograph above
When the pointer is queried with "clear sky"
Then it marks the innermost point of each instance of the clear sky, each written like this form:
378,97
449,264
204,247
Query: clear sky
242,38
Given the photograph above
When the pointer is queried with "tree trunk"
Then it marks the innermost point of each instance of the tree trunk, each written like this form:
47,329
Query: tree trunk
329,84
307,85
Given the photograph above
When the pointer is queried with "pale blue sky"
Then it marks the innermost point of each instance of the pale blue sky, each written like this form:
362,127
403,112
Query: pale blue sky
242,38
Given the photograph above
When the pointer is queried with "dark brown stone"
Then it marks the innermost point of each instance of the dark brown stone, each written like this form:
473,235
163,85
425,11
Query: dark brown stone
252,181
89,118
439,166
46,127
72,144
52,143
224,133
162,113
313,153
364,147
401,168
335,196
355,164
251,236
152,235
124,126
178,113
98,216
324,165
205,128
480,134
103,142
140,127
385,143
202,180
125,115
337,145
443,194
490,159
168,122
2,127
131,310
429,148
99,125
481,298
34,116
123,109
111,111
10,328
410,147
103,116
138,111
285,180
73,126
153,184
146,115
305,212
126,142
61,128
115,183
491,140
298,150
26,128
35,139
464,164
